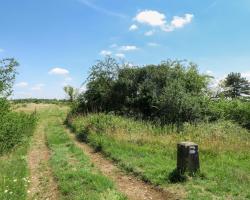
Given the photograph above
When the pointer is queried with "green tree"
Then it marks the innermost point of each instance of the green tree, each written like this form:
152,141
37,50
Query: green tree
171,92
236,86
100,84
7,76
71,92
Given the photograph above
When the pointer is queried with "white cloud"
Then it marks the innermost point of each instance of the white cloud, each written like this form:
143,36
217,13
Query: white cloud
128,48
58,71
105,53
21,84
1,50
120,55
133,27
179,22
154,18
149,33
153,44
38,87
151,17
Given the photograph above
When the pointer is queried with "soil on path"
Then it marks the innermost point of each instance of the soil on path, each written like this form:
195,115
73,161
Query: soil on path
42,184
133,188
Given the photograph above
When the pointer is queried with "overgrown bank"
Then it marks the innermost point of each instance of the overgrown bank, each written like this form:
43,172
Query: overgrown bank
15,127
149,151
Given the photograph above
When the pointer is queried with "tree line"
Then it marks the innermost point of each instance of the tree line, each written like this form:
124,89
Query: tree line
172,92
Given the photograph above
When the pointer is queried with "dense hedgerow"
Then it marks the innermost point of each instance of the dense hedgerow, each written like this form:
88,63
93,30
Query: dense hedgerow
236,110
14,127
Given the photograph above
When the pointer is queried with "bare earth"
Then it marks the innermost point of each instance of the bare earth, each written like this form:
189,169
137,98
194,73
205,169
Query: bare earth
42,185
133,188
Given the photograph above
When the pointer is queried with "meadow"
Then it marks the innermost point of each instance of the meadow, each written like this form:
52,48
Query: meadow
148,151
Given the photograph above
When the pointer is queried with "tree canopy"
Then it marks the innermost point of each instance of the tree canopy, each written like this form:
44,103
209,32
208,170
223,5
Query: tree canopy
235,85
171,92
7,76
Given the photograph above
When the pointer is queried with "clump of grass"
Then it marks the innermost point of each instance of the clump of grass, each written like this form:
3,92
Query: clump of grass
77,177
149,151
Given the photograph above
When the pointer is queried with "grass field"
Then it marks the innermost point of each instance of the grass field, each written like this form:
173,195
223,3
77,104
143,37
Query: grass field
150,152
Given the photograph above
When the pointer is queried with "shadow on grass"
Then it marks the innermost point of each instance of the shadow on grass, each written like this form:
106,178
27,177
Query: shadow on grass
178,177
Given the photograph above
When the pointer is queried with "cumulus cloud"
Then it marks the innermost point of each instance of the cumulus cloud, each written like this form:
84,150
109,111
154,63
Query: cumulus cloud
120,55
133,27
105,53
58,71
179,22
155,19
21,84
38,87
128,48
151,17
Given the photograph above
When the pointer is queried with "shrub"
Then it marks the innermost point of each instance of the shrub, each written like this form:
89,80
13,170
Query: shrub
236,110
14,129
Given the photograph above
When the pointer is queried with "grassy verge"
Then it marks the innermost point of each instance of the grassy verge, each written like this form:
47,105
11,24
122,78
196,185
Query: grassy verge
77,178
16,130
14,174
150,152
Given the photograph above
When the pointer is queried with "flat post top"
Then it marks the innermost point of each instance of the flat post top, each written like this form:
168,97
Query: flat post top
187,144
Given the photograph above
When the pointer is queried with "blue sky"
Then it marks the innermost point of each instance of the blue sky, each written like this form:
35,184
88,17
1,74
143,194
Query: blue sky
57,41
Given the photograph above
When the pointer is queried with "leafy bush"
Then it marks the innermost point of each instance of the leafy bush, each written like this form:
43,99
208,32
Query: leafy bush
14,129
171,92
236,110
4,106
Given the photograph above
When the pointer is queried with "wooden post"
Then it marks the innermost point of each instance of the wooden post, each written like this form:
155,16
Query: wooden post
187,157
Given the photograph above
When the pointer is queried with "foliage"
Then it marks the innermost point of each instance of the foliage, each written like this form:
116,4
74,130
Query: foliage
171,92
7,76
236,110
4,106
149,152
71,92
236,86
44,101
98,96
14,129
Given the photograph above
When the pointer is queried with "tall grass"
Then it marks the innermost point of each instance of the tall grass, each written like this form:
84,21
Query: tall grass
149,151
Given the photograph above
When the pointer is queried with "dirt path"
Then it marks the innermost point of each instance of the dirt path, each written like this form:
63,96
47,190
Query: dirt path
133,188
42,185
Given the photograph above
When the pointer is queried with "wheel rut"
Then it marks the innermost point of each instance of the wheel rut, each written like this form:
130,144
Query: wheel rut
42,184
132,187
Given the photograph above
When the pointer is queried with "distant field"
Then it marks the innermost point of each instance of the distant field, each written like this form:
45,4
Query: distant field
149,152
